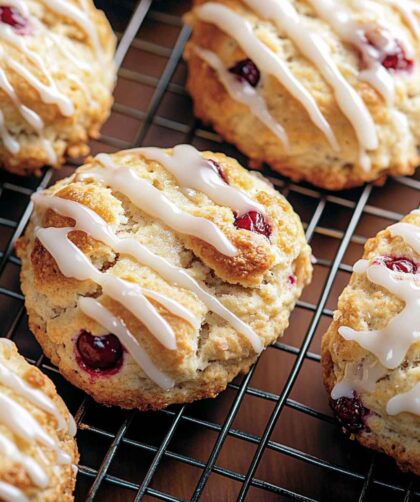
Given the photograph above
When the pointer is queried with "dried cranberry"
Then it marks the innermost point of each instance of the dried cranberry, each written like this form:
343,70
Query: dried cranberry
99,353
254,222
12,17
247,70
350,413
399,264
389,51
219,169
292,280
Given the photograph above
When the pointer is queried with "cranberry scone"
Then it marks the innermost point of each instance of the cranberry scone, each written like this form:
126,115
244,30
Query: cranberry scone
326,91
56,80
38,452
155,276
371,352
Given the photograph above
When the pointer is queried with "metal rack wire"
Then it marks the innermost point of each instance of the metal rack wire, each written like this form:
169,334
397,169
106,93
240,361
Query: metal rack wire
336,225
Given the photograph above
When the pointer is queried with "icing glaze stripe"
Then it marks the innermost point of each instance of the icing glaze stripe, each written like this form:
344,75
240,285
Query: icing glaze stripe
244,94
351,31
10,493
406,402
313,47
152,201
81,17
391,343
34,396
91,223
75,264
20,422
34,470
269,63
95,310
410,233
193,171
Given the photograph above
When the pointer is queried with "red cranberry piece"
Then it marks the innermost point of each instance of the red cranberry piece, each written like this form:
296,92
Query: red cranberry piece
11,16
397,60
399,264
390,51
247,70
292,280
218,169
99,353
254,222
350,413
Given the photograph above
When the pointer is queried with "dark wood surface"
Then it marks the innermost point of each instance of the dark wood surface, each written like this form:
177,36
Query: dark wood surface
295,430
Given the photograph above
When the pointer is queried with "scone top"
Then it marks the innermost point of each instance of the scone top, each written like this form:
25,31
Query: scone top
158,247
57,75
36,433
327,82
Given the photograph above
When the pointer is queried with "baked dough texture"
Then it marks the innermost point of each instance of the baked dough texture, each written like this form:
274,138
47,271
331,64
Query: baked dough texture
309,155
22,475
259,285
57,75
364,305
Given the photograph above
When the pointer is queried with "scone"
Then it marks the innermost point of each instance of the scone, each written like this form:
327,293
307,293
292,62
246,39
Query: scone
56,80
321,90
38,452
155,276
371,352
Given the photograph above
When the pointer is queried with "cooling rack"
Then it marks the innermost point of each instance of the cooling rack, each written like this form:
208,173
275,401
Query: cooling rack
270,435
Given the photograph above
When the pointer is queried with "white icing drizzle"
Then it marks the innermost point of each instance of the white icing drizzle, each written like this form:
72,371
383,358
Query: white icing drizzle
268,62
90,222
34,470
73,263
34,396
29,115
405,402
49,94
312,46
192,171
391,343
81,17
343,22
243,93
9,142
95,310
19,421
408,11
410,233
10,493
358,377
152,201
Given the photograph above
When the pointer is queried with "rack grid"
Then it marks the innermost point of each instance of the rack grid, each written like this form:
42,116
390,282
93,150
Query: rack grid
270,435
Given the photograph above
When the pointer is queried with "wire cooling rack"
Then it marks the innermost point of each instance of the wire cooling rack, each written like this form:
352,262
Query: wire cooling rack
270,435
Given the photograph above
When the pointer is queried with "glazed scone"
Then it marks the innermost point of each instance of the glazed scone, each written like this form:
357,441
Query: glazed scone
56,80
371,352
321,90
179,269
38,452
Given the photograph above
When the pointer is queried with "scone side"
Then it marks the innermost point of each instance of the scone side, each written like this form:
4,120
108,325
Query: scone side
63,486
386,434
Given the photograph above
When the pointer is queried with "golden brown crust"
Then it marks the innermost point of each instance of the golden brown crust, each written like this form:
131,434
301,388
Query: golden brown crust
78,75
364,305
62,477
255,288
309,158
